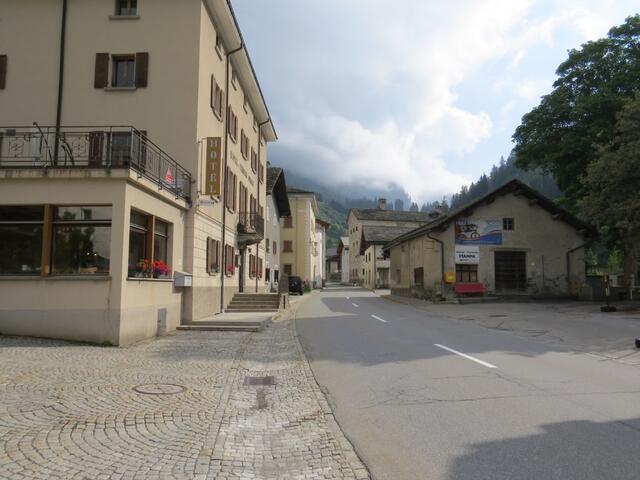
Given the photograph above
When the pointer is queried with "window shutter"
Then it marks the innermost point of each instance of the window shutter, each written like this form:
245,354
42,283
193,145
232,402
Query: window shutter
209,253
212,99
3,71
102,70
142,69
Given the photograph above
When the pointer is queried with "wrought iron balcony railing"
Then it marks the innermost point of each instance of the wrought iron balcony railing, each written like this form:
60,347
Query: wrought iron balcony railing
251,223
93,147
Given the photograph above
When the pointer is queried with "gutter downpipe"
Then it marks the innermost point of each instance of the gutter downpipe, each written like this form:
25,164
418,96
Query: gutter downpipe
258,193
224,170
441,262
569,252
63,35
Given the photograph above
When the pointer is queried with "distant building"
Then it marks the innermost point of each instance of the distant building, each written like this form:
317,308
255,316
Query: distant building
374,261
343,258
511,241
277,207
333,265
300,249
357,218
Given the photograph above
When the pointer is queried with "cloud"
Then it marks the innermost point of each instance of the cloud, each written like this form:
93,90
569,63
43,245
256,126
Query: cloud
368,92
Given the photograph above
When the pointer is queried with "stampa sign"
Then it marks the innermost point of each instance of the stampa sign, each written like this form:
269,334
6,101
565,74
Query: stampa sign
467,254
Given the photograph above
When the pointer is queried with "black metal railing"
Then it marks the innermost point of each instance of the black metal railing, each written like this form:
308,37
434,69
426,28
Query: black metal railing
93,147
251,223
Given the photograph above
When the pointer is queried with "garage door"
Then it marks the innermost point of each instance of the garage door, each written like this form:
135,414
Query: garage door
511,271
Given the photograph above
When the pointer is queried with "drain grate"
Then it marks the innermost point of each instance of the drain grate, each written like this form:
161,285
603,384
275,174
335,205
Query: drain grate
159,389
262,381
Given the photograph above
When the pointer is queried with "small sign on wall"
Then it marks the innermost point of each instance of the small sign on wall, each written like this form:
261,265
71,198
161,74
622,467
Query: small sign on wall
213,167
450,277
468,254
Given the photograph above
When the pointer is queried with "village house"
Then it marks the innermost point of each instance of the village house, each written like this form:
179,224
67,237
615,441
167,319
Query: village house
375,262
343,256
357,218
113,234
302,241
333,265
511,241
277,207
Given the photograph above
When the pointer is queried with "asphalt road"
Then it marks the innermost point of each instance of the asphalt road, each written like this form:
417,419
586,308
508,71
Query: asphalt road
426,397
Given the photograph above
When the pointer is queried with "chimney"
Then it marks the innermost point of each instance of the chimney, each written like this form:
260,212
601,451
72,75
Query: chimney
382,203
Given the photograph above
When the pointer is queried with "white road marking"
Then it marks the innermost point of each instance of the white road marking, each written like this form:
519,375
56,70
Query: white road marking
355,305
468,357
378,318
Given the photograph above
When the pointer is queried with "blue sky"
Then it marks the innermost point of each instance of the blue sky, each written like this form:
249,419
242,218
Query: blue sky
416,93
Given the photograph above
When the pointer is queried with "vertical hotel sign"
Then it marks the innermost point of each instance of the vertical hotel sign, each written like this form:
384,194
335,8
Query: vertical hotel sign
213,167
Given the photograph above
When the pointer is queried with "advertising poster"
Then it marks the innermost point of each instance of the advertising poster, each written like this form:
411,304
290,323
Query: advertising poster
471,231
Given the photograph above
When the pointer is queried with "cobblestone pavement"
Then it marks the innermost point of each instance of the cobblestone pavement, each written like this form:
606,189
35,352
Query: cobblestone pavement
72,411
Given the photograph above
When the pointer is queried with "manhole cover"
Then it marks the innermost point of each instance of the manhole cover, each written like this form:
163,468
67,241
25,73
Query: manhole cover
269,380
159,389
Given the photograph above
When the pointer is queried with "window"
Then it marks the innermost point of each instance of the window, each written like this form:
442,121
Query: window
3,71
508,224
255,124
267,245
466,273
230,188
252,266
123,71
213,256
244,144
233,125
217,98
234,78
21,230
81,240
254,160
288,270
126,7
275,247
245,104
229,255
418,276
219,47
287,246
148,240
259,267
288,222
261,173
267,275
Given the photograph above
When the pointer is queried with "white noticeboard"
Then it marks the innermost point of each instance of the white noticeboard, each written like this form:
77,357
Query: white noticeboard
469,254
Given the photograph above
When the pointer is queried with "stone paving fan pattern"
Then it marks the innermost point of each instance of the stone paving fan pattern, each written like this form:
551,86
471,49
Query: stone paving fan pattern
71,412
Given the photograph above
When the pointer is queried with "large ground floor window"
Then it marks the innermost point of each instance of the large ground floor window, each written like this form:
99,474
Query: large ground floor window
148,246
21,230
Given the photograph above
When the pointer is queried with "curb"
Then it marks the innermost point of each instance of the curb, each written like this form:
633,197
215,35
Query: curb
359,468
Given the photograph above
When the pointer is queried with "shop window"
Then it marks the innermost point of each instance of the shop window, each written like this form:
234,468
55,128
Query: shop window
508,224
21,230
466,273
81,240
148,243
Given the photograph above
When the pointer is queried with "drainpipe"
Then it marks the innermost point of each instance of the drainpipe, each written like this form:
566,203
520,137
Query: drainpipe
441,261
569,265
63,34
258,192
224,170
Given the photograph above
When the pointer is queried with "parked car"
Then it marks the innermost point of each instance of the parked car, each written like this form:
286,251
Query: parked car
295,285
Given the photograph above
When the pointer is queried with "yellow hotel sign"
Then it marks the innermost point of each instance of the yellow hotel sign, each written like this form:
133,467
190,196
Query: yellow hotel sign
213,169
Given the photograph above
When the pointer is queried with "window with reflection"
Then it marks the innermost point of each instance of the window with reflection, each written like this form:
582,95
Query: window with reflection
148,243
81,240
21,239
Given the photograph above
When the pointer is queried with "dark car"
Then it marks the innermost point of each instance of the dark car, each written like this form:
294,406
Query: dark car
295,285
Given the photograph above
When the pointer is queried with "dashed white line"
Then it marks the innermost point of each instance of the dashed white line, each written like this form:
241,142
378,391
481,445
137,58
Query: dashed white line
378,318
468,357
355,305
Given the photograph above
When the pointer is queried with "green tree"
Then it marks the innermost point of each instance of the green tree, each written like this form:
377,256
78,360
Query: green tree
612,183
563,133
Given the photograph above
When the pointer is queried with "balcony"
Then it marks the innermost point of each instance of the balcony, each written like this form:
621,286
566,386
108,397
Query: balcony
93,148
250,228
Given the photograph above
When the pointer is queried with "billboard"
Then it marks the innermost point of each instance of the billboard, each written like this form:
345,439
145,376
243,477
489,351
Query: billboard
468,254
213,167
471,231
